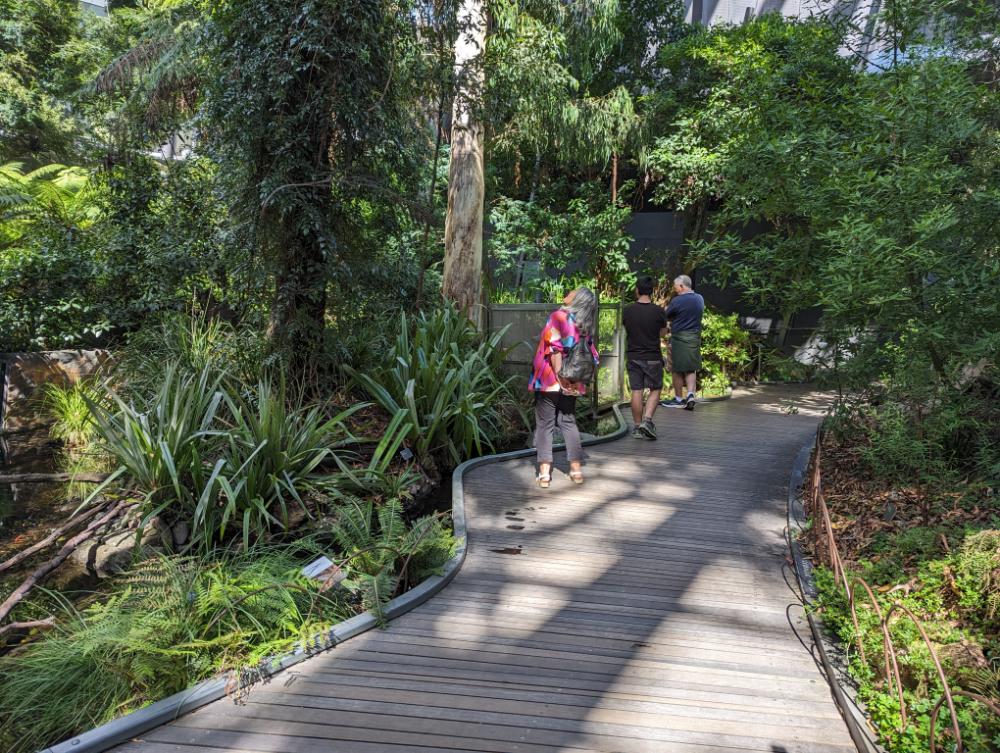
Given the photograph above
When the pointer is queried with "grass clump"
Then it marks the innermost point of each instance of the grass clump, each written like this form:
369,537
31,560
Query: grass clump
224,461
69,407
169,623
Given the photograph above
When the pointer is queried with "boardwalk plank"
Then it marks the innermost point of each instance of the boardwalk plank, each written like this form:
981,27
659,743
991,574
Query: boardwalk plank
646,611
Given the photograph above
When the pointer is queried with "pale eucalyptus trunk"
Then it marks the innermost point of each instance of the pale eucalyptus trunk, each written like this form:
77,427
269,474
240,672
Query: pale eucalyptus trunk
463,232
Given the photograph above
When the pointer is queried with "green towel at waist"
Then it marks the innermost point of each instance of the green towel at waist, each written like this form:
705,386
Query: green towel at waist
685,351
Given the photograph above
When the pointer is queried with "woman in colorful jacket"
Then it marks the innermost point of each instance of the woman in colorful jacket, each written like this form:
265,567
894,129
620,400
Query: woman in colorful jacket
555,398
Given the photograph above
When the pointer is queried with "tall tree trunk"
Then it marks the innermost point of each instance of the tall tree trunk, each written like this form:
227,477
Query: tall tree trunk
463,232
425,257
298,312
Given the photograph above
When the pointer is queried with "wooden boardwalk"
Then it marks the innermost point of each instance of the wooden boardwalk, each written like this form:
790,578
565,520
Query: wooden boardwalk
646,611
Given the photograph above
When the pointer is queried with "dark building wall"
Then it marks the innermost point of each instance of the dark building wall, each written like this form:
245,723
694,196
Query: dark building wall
658,238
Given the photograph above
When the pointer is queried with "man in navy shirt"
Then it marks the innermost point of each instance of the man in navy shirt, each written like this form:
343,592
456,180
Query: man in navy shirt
684,313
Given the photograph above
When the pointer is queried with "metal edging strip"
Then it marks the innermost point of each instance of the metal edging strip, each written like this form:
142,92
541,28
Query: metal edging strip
161,712
854,718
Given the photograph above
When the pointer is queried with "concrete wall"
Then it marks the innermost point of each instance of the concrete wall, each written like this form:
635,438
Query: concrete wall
21,374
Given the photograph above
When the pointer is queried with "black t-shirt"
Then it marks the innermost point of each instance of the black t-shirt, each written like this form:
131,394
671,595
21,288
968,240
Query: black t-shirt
643,322
686,310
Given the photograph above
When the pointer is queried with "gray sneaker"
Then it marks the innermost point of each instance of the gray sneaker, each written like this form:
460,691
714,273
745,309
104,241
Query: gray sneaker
638,433
648,428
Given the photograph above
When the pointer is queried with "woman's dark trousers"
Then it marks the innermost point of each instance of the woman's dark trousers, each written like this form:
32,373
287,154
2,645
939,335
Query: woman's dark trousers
552,410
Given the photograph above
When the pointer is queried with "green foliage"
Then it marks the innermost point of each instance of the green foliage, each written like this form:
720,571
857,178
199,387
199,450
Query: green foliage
47,262
589,233
381,553
48,48
929,594
379,476
543,62
775,366
162,447
725,349
978,568
223,462
168,623
872,195
165,247
930,435
85,257
270,458
445,377
302,111
68,405
195,342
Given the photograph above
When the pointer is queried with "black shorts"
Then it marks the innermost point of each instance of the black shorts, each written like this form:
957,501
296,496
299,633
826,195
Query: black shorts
645,374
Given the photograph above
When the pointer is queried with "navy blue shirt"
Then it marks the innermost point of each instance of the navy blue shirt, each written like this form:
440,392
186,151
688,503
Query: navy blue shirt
684,312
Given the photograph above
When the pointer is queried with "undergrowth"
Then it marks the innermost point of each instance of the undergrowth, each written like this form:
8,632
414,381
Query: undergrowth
933,546
172,621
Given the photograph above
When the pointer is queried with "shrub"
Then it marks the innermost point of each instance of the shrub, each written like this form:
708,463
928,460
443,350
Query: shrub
270,458
381,553
73,423
725,348
445,376
194,342
934,436
221,474
163,447
551,238
48,265
978,567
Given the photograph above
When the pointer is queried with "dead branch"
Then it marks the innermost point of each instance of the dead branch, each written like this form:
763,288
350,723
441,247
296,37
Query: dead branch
32,580
45,478
28,625
56,533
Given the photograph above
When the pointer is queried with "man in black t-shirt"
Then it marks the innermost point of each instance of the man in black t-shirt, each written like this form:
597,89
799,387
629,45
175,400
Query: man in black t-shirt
644,323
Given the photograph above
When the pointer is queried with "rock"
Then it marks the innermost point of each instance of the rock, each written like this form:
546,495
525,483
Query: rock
113,552
180,533
296,516
962,655
24,373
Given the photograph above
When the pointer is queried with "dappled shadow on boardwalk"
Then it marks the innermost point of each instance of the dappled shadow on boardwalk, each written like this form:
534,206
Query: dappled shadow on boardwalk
643,611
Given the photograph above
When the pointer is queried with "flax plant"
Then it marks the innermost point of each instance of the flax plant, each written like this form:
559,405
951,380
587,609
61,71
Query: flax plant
445,378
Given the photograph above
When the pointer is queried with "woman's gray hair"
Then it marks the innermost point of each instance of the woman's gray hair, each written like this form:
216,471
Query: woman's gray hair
584,310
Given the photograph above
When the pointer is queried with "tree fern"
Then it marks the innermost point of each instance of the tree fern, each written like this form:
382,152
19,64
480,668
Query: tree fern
377,546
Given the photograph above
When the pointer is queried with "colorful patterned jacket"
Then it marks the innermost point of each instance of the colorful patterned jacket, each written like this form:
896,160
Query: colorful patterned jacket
558,335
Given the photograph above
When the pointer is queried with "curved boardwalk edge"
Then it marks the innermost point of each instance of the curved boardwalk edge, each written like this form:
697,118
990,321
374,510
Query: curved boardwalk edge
126,727
854,717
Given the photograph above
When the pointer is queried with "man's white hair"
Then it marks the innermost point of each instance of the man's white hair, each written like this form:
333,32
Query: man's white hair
683,280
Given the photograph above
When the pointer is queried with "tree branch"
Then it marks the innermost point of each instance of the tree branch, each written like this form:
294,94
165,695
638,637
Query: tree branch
71,523
48,622
32,580
44,478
